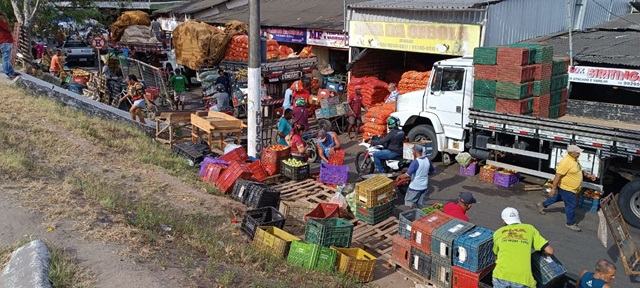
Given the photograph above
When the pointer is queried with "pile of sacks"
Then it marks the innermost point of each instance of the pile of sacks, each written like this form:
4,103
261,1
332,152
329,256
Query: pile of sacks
373,90
375,121
127,19
138,34
199,43
413,81
238,48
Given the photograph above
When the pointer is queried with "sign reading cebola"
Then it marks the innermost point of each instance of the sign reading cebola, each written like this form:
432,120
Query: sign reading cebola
437,38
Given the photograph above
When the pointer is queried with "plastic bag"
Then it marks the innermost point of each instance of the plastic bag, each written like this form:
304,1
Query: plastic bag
464,159
339,199
230,147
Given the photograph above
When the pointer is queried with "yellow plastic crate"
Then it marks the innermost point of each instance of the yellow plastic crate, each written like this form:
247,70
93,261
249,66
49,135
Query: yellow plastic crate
375,191
356,263
273,240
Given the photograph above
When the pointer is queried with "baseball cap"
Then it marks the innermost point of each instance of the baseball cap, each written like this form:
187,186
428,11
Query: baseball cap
510,215
467,198
574,148
322,135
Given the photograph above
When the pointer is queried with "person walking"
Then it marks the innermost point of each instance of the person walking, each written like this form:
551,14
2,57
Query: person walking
139,98
6,45
179,83
512,244
459,209
284,126
604,273
55,68
566,186
392,142
419,171
156,28
355,109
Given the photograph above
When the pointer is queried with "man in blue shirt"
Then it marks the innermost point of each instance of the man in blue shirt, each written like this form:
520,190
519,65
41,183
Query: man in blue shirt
284,126
605,272
419,171
287,99
223,79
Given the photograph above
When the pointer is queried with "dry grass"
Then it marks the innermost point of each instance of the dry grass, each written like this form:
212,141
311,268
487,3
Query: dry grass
116,185
64,272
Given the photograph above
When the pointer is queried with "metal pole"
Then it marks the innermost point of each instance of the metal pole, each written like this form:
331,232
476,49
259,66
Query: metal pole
254,104
570,27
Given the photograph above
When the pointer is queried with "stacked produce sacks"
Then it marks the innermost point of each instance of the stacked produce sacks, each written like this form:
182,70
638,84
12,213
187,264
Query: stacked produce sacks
375,121
238,48
413,81
373,90
519,79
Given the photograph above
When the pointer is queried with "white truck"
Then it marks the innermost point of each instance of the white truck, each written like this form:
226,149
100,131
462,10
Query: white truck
444,114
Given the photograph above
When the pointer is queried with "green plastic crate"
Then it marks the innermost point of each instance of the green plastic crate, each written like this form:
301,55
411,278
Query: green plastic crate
484,103
538,54
554,111
485,55
374,215
303,254
558,66
559,81
326,259
508,90
484,87
556,97
541,87
329,232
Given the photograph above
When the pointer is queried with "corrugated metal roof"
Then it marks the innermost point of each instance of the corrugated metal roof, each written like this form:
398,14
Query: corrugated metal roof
327,14
422,4
629,21
190,7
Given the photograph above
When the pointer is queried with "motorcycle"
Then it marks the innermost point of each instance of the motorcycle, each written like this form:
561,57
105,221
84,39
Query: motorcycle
309,138
365,164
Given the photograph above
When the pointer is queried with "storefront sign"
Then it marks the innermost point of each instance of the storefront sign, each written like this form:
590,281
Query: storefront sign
605,76
297,36
437,38
327,38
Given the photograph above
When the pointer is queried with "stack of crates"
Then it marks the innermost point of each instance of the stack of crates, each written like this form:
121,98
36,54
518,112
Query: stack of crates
442,252
420,259
473,257
547,270
329,232
374,199
559,82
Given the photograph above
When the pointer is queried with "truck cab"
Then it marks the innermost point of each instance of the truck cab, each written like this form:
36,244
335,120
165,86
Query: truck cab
440,112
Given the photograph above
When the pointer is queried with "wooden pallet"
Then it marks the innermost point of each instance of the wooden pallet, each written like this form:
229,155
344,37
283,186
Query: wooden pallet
307,190
377,238
413,276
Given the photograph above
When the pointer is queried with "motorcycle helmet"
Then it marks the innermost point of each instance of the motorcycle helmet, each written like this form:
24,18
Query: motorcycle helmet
393,122
300,102
220,88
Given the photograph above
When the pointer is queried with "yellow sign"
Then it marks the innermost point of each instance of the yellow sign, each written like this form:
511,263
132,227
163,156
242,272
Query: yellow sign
437,38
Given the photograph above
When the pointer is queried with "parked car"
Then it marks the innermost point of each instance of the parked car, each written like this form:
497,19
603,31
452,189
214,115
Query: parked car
78,51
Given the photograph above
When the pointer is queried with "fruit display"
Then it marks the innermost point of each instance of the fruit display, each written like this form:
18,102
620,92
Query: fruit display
294,162
590,193
278,147
434,207
507,171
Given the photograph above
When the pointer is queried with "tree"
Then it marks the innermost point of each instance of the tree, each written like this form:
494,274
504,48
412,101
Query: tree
25,11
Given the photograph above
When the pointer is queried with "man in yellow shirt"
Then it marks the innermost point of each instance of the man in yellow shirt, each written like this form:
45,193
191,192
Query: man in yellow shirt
566,186
512,244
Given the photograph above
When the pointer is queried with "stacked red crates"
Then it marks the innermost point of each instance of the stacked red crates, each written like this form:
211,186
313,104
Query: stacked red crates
236,170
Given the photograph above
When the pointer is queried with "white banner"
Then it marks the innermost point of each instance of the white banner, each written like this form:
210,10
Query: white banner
326,38
605,76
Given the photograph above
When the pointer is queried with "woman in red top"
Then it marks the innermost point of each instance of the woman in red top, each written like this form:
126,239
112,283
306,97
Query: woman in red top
139,99
297,144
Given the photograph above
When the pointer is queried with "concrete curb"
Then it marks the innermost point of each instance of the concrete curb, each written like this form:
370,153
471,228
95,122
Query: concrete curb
28,267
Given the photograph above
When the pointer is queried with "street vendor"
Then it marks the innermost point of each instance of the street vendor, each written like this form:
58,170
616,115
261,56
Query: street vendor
221,100
139,98
301,114
459,208
419,171
393,93
284,126
297,144
327,144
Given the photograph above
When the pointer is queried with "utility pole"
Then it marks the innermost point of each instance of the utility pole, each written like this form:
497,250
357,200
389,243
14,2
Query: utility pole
570,27
254,105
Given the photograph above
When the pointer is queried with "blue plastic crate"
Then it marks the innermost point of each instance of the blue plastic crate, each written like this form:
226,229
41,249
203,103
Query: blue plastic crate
441,272
442,238
546,269
589,204
406,218
420,263
473,250
333,86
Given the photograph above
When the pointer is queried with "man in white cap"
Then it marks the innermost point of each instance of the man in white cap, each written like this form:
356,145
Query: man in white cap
512,244
566,186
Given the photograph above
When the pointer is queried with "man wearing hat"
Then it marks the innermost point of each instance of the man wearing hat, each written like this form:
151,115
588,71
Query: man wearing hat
512,244
419,171
327,143
355,108
459,210
566,186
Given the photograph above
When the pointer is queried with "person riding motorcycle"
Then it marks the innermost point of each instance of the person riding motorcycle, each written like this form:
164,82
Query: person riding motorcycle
392,143
221,99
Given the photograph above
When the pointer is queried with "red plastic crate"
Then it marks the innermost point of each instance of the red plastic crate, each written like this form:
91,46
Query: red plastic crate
236,170
542,71
486,174
237,154
515,74
512,56
422,228
258,171
324,211
212,172
565,95
541,106
485,72
271,159
464,278
401,250
522,106
337,158
563,109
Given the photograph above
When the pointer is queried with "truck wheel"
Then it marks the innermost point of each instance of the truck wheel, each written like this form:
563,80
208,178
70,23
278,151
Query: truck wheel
629,203
425,132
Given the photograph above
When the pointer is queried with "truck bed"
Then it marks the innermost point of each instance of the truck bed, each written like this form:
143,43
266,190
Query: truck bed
600,122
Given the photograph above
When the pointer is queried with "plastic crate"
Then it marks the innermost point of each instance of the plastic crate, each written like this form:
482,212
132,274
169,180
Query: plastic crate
422,228
323,211
294,173
356,263
441,272
374,215
261,195
334,174
295,210
258,171
546,269
266,216
273,240
326,259
230,175
485,72
237,154
442,238
240,189
487,88
210,160
189,151
420,263
337,158
556,97
588,204
212,172
464,278
470,170
506,179
541,87
473,250
329,232
483,102
485,55
303,254
272,156
401,250
515,74
406,218
554,111
487,174
513,91
374,191
512,56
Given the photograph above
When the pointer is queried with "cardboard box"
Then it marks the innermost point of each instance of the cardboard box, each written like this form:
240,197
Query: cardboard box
407,148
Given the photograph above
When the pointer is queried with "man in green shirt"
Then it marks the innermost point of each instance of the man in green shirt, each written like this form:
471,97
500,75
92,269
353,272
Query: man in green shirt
513,244
179,82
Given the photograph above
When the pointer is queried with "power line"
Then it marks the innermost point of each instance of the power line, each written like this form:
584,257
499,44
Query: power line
611,13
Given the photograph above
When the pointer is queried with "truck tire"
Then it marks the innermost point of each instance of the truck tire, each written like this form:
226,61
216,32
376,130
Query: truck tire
629,203
425,132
